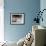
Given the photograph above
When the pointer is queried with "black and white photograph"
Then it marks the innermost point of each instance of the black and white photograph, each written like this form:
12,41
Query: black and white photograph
17,18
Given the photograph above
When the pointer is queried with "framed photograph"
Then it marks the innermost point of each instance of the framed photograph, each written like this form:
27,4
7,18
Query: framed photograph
17,18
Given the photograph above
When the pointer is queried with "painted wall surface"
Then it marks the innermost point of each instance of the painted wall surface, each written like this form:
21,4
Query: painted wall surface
1,21
43,6
29,7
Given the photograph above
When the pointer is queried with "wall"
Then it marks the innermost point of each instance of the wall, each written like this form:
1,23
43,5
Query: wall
29,7
43,6
1,21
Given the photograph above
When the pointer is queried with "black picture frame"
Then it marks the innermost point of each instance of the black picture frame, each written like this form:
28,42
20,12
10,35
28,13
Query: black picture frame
17,18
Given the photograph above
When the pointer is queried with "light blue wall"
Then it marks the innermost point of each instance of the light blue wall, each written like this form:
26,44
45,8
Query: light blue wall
29,7
43,6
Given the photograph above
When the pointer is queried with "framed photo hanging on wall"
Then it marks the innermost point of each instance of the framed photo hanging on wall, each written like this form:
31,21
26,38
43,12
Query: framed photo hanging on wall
17,18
